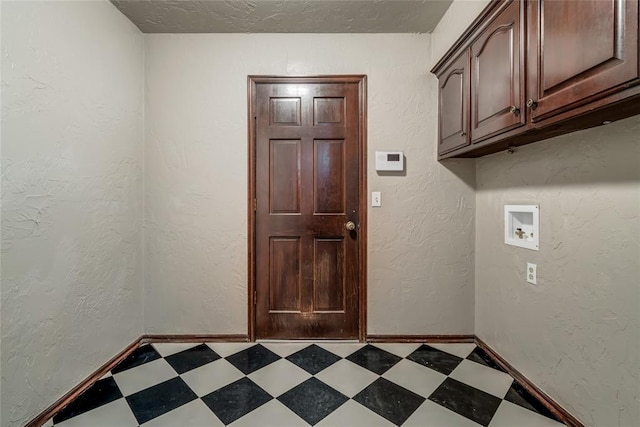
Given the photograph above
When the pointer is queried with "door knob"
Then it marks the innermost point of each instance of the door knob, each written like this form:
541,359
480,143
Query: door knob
514,110
350,226
532,104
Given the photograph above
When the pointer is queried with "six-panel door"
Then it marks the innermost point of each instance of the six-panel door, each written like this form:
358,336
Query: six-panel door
307,189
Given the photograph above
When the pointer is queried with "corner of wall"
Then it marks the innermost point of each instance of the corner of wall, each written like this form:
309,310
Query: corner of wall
143,232
71,208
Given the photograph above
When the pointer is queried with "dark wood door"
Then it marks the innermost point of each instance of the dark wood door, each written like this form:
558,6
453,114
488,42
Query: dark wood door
497,70
308,175
453,100
580,51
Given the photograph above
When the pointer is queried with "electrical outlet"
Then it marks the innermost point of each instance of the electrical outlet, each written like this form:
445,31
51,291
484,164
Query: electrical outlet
532,273
375,199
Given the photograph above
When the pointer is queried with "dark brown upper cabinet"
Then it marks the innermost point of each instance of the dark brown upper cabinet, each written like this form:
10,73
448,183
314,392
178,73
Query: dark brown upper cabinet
497,83
454,109
580,51
537,69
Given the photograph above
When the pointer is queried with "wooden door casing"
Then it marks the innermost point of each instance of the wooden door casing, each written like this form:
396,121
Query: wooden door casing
563,74
497,70
308,181
453,105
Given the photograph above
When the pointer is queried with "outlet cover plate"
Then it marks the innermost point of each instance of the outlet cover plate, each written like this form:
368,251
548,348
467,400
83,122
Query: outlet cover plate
532,273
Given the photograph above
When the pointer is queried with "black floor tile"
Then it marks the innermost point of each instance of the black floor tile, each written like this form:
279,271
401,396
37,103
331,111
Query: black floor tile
160,399
435,359
313,359
192,358
236,400
520,396
478,355
140,356
100,393
389,400
313,400
374,359
467,401
252,359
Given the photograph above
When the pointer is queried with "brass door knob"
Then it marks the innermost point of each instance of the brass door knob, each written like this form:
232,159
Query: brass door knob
514,110
532,104
350,226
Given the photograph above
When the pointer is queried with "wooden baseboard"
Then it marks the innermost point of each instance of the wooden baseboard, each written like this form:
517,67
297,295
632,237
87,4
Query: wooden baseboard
44,416
421,338
541,396
186,338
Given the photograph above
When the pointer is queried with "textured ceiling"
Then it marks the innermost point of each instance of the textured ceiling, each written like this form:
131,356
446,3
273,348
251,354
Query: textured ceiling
284,16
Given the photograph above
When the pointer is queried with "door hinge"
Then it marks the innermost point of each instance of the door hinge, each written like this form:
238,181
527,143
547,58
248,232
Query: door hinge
255,205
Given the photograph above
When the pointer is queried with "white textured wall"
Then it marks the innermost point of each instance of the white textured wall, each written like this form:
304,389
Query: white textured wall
454,22
420,276
577,333
72,98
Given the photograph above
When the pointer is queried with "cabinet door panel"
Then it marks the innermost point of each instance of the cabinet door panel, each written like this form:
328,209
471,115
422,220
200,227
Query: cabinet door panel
580,51
497,66
453,104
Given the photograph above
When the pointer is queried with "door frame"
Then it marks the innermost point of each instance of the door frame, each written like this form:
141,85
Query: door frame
361,80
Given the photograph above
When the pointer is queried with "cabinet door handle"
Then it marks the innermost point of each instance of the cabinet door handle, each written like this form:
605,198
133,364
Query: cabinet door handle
463,134
514,110
532,104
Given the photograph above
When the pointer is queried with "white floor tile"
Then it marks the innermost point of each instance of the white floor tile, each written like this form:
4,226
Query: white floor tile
193,414
483,378
48,423
271,414
168,348
144,376
415,377
347,377
431,414
107,375
509,415
402,350
342,350
112,414
281,376
278,377
286,349
225,349
457,349
211,377
353,414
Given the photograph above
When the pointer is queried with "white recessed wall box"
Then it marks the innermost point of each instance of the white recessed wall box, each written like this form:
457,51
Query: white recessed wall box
522,226
389,161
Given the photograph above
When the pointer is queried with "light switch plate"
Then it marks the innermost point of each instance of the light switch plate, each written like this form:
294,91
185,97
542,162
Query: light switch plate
375,199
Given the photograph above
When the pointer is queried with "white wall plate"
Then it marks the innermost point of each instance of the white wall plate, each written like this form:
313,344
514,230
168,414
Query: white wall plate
522,226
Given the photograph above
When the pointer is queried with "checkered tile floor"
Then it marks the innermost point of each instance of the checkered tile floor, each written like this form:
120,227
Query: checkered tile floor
300,384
